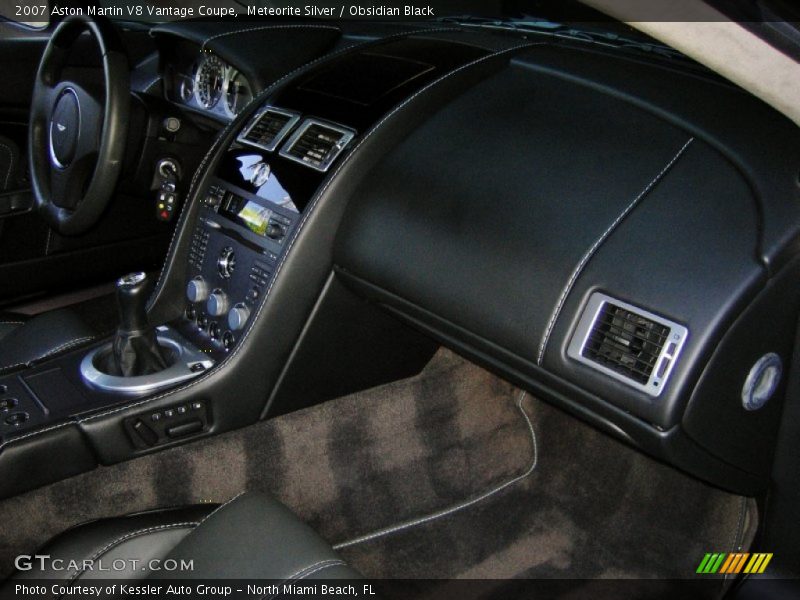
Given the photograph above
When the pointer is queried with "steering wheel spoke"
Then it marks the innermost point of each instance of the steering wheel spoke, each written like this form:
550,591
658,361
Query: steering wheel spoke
77,133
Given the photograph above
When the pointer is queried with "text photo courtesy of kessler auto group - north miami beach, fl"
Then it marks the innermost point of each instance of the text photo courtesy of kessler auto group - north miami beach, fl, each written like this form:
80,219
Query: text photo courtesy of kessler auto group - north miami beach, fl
443,300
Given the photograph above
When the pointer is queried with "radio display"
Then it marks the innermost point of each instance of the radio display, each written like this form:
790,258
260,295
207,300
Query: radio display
246,212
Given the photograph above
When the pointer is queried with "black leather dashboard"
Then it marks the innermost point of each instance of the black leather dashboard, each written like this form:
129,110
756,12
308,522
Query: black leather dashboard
572,172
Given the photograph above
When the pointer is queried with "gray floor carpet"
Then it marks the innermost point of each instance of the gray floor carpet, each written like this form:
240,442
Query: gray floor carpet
590,508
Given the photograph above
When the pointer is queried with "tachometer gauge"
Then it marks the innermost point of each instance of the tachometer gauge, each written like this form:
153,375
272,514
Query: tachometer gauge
208,82
237,92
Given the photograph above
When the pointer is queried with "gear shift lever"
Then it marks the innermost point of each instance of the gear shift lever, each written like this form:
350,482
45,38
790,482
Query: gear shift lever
135,350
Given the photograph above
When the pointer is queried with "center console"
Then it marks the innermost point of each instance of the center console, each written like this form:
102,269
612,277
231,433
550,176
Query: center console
235,246
244,314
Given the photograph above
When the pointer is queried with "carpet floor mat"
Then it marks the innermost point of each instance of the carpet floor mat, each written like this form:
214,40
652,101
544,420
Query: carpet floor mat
453,473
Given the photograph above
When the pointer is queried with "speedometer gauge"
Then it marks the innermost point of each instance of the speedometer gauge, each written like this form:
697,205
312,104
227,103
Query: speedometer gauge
208,82
237,92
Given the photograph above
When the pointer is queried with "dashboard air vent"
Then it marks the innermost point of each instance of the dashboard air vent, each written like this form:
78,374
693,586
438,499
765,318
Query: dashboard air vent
627,343
317,144
268,128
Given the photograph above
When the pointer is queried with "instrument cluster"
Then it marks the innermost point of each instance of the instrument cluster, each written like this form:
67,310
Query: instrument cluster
213,86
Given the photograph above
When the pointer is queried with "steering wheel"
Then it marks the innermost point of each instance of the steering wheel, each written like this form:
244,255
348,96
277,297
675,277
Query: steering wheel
78,132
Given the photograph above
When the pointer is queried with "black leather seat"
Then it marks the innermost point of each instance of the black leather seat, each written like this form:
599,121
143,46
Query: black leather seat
250,537
24,340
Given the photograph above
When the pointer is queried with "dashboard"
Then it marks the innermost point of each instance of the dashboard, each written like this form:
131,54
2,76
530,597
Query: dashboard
630,283
604,232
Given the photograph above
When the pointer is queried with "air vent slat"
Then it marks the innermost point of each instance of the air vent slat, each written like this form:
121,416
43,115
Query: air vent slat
268,128
625,342
317,144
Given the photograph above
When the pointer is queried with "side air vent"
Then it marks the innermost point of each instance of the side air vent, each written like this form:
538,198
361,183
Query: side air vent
317,144
268,128
627,343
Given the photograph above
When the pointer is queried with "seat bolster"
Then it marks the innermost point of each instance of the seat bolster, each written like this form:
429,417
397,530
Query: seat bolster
262,539
135,539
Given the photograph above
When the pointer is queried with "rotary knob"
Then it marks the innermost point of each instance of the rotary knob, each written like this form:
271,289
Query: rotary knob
217,304
197,289
238,315
226,262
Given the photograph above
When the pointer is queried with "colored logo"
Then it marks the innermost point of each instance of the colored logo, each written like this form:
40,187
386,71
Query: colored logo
735,562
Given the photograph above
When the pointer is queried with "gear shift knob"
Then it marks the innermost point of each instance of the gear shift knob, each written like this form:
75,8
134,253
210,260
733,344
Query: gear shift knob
131,300
135,350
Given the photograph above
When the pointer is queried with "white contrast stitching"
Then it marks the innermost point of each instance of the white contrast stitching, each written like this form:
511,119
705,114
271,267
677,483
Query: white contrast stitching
589,253
308,571
63,346
221,137
221,506
10,165
47,243
311,569
461,505
12,322
126,537
307,213
33,433
264,27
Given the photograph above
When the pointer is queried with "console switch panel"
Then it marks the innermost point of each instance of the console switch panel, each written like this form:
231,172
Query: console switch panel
156,427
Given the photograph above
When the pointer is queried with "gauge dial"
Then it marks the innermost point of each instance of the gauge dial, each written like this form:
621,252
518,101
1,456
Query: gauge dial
237,92
187,88
208,82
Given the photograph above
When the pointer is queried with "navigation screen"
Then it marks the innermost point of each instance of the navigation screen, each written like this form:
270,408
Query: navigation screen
255,217
246,212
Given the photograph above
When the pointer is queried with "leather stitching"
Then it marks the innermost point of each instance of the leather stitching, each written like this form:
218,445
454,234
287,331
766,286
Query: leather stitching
265,27
315,568
307,213
128,536
308,571
593,249
55,350
12,322
221,506
461,505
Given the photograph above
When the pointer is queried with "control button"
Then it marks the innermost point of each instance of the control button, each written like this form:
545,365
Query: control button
226,263
155,417
172,124
3,388
217,304
662,368
213,330
197,405
191,312
6,404
17,419
147,435
275,231
185,429
237,317
197,289
228,340
169,413
182,409
202,322
197,367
